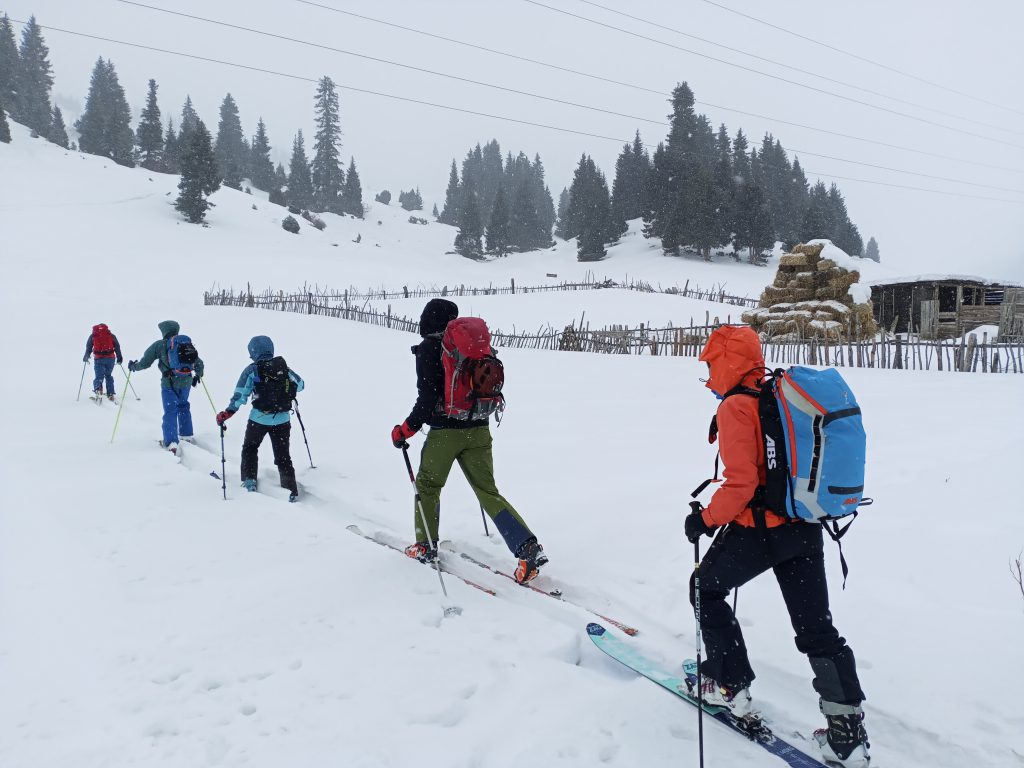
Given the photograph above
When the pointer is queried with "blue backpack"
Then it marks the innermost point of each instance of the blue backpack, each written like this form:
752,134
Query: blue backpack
181,355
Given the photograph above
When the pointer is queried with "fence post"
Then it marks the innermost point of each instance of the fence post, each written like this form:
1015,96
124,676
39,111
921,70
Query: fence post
309,303
513,281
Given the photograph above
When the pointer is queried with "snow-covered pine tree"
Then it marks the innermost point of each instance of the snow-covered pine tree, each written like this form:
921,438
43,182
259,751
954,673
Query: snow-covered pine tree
740,158
186,125
5,129
467,241
435,214
10,63
817,221
34,80
262,167
230,149
280,176
169,161
352,192
498,226
105,125
300,184
58,131
871,252
560,221
150,132
200,175
327,175
490,176
589,211
752,223
452,197
724,183
411,200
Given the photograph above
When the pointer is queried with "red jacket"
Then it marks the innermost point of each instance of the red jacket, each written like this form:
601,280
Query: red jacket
733,355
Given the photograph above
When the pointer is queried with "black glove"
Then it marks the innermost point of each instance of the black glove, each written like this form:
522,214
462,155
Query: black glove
196,379
695,526
120,360
131,365
85,359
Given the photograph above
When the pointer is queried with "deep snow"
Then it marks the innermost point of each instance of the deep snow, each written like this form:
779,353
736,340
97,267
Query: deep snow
144,621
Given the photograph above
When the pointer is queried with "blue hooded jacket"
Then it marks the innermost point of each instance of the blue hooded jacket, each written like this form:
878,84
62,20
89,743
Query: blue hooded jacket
260,348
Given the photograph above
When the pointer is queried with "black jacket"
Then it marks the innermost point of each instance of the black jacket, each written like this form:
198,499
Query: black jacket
430,389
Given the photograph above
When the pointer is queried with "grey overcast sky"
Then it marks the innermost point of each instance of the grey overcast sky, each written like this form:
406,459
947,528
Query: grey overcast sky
971,47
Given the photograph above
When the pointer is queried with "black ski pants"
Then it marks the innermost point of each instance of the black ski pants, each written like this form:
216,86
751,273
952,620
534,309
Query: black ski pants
795,553
280,436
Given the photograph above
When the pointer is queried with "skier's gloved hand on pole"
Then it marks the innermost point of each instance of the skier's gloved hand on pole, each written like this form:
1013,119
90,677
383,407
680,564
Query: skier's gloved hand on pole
132,365
400,433
120,359
223,416
85,359
196,379
694,524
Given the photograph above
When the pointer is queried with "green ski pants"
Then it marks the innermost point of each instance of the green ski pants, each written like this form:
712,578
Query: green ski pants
472,449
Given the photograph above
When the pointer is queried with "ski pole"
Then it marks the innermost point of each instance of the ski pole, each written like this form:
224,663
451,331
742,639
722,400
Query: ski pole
208,397
694,505
128,382
484,518
223,469
299,415
120,408
82,380
449,610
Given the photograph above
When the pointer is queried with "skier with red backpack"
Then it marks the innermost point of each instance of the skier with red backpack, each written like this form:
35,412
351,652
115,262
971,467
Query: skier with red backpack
104,348
793,448
181,368
459,381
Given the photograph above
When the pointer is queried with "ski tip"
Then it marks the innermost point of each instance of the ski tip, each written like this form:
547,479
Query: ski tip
595,630
214,474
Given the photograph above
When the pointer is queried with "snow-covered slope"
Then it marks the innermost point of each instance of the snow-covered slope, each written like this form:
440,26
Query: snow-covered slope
144,621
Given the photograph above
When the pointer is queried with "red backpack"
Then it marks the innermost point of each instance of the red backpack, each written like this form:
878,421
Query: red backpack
473,376
102,341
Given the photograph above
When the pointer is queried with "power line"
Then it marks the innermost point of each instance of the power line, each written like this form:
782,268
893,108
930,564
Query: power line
316,80
777,77
637,87
392,63
531,94
863,58
774,62
451,108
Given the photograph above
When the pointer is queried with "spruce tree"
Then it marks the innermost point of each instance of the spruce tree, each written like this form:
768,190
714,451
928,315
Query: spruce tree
452,197
5,129
352,192
871,252
186,127
34,80
105,124
467,241
491,172
200,175
262,167
631,171
435,214
300,184
588,214
752,224
724,183
498,227
817,220
150,132
58,133
169,161
327,176
230,149
563,208
702,228
10,63
740,158
543,203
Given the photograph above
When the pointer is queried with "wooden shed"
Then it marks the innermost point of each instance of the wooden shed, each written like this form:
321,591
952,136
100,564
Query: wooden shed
947,307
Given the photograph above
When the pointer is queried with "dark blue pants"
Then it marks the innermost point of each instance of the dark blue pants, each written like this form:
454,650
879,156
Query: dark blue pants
104,369
794,552
177,413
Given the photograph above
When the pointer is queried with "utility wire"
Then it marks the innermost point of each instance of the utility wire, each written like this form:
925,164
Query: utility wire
389,62
866,60
797,83
448,107
808,72
656,91
342,86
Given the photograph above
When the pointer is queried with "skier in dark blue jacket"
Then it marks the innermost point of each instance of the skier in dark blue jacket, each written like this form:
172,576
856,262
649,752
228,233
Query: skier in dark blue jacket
273,386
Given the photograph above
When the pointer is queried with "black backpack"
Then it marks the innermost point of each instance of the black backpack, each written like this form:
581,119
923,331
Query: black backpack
273,391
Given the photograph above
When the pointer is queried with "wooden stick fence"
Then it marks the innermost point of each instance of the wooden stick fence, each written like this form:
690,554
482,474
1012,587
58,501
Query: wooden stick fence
887,352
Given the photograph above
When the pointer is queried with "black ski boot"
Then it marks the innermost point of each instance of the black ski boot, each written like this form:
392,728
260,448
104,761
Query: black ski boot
844,742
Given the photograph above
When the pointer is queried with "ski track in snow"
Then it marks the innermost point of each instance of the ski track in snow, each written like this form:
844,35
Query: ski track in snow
145,621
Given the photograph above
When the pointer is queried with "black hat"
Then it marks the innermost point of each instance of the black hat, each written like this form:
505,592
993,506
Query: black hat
436,316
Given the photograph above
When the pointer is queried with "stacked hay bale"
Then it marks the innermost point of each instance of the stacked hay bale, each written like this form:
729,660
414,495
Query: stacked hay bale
810,299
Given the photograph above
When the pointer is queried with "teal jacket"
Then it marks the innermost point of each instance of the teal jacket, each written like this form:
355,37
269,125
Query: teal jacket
260,348
157,353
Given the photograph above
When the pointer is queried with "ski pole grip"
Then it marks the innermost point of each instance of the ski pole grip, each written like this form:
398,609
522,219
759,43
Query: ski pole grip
696,506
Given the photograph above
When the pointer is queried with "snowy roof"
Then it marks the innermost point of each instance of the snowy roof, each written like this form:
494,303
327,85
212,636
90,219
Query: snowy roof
931,278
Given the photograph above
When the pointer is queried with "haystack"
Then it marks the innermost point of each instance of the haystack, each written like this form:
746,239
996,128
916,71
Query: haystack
810,298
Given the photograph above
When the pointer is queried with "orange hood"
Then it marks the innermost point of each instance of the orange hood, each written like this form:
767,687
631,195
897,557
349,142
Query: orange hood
733,353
